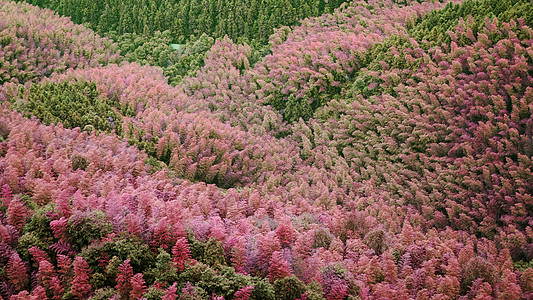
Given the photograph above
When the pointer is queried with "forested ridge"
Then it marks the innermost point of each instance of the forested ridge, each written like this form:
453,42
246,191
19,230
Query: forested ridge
250,19
378,150
144,30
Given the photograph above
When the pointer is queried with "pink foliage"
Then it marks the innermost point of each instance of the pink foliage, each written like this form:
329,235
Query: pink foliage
124,279
286,232
138,286
181,253
268,244
510,288
7,195
278,267
38,293
81,286
314,60
243,293
424,194
161,237
196,145
170,293
335,282
64,264
238,255
22,295
16,214
38,255
60,228
57,288
45,274
38,35
17,272
63,204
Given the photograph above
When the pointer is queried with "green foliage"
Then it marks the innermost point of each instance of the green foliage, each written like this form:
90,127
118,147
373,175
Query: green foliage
252,19
27,241
73,104
29,202
144,30
523,265
154,293
39,226
164,271
478,267
85,227
155,50
375,239
79,104
238,280
197,248
214,253
208,279
145,49
433,26
117,251
263,290
104,294
289,288
258,50
295,108
79,162
156,165
112,269
314,291
68,296
367,81
189,58
138,252
98,281
224,281
322,238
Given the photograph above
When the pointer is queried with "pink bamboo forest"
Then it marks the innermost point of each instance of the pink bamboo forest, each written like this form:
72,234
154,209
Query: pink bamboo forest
423,190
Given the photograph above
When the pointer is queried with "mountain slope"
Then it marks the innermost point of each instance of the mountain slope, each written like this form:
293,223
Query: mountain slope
400,167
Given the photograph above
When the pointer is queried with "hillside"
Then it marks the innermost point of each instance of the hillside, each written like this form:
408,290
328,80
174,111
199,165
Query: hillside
381,150
248,19
144,30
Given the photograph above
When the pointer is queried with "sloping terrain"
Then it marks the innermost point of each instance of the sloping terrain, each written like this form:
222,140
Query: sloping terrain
383,151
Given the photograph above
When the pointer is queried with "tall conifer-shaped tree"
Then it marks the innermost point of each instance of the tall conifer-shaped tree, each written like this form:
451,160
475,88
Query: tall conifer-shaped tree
81,286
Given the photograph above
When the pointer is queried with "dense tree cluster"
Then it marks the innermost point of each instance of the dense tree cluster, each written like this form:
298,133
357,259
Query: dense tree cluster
377,152
155,50
35,43
433,27
250,19
144,30
75,105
